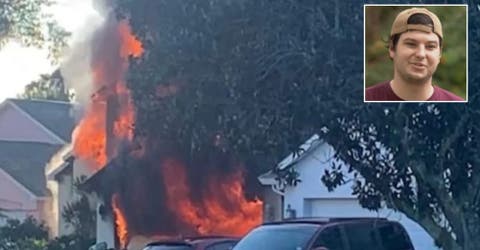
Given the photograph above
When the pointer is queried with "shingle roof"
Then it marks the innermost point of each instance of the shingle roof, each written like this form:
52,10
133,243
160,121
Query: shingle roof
54,115
25,162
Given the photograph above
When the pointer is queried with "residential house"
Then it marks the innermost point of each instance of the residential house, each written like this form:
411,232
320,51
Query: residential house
31,132
310,198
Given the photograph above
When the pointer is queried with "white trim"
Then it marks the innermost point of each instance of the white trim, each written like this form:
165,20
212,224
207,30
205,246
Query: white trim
305,148
267,179
19,185
8,210
66,152
48,131
69,153
51,175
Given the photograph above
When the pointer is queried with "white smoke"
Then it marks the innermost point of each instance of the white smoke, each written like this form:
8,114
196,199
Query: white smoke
76,62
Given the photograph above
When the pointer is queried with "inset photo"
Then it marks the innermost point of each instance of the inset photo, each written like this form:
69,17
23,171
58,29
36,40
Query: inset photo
416,53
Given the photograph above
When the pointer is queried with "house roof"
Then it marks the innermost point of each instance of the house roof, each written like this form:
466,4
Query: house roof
269,178
25,162
308,146
56,116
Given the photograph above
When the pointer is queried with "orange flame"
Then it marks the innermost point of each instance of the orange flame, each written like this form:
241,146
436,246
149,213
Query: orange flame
120,222
130,46
224,211
89,137
215,216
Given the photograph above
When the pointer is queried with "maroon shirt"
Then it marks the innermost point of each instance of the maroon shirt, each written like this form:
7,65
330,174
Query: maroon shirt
383,92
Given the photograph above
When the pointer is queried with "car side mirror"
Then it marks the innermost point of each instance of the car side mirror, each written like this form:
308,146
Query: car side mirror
320,248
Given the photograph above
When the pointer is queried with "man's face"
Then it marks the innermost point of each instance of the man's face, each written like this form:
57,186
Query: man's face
416,56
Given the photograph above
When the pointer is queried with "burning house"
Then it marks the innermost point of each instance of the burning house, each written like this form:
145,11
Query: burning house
143,188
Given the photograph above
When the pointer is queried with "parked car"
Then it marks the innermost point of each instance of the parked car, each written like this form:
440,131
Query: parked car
327,234
195,243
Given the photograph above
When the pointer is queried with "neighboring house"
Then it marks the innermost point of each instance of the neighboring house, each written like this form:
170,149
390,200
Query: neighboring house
23,191
31,132
50,122
310,198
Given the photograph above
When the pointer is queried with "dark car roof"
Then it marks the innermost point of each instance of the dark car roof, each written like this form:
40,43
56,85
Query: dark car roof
194,241
324,220
202,242
210,238
169,243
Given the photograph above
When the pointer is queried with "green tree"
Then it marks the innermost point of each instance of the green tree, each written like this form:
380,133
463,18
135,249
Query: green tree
48,87
79,214
27,23
254,79
29,234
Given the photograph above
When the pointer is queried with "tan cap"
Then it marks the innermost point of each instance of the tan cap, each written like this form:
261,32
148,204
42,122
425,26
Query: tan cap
400,24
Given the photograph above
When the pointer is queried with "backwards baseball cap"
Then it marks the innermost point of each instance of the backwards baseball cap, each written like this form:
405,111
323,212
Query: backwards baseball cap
401,25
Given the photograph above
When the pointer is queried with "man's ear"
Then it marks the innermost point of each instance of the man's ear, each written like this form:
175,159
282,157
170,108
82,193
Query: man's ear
391,52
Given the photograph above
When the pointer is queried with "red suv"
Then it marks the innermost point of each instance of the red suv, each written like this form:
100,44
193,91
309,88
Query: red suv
327,234
196,243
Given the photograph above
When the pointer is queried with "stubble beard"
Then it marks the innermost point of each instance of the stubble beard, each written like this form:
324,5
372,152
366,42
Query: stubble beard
415,79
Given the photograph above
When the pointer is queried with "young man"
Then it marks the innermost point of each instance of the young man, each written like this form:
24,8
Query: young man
415,46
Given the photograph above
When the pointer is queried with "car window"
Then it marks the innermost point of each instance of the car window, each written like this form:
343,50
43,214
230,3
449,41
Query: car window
172,247
330,238
394,237
361,236
221,246
278,237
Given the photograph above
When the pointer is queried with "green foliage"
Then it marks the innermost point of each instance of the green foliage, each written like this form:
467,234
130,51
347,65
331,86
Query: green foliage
25,21
255,79
48,87
451,72
79,214
241,71
70,242
32,235
29,234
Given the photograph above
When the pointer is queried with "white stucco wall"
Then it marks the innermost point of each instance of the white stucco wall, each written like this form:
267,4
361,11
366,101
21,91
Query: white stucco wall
16,199
311,169
310,198
16,126
105,228
62,194
61,188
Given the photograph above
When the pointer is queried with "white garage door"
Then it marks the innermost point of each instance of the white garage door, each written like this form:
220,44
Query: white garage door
350,208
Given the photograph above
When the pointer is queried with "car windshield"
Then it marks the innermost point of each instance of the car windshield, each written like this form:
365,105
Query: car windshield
278,237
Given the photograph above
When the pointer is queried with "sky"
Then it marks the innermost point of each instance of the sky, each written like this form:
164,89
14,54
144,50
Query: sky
20,66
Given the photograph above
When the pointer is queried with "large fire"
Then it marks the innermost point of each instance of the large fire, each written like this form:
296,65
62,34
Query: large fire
223,208
89,137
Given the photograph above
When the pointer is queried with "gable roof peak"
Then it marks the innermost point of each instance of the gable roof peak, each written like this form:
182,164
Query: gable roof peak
56,116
